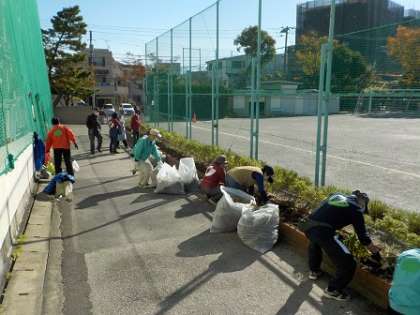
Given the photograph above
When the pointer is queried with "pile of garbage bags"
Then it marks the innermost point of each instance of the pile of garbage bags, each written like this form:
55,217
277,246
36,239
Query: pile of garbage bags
257,227
171,180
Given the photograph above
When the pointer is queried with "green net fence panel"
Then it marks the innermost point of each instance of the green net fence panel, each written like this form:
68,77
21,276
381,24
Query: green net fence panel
25,100
201,84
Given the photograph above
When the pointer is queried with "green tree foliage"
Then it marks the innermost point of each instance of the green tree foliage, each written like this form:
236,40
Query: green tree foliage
350,71
405,47
247,41
65,54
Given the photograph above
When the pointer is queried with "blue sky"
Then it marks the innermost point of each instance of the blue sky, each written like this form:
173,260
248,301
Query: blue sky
126,25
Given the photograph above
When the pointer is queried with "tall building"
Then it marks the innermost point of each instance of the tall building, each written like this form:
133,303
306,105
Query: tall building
358,24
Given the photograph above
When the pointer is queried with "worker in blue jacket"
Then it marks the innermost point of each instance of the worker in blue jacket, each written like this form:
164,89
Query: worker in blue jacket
334,213
144,149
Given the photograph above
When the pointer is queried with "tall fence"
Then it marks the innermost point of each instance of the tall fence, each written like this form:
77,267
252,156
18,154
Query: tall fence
335,97
25,100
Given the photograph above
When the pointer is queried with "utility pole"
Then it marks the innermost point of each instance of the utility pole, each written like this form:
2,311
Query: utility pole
92,69
286,31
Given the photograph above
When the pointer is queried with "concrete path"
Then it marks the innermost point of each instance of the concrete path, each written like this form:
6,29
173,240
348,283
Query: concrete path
130,251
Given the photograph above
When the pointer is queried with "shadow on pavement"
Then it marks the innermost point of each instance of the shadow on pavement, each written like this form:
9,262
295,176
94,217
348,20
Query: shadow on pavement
94,200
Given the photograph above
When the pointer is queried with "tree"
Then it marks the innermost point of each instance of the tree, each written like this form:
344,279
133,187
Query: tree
350,72
65,54
405,47
247,41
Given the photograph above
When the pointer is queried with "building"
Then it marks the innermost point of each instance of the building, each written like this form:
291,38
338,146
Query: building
281,98
232,69
412,13
356,25
115,82
351,16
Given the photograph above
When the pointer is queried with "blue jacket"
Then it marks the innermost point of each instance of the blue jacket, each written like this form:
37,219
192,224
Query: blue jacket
39,153
145,148
59,178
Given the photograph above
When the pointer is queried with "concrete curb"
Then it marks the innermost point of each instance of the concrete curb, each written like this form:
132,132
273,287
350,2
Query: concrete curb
24,292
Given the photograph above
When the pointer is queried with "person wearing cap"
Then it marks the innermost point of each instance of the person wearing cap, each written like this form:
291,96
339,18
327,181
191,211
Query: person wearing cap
144,148
214,178
60,138
334,213
246,177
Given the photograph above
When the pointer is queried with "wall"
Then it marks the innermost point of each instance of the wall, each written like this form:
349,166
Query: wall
16,189
73,115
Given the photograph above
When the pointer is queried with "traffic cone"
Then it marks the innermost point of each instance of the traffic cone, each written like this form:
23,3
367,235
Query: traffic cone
194,118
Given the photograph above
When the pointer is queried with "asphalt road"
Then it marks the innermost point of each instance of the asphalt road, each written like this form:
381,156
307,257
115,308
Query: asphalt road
377,155
129,251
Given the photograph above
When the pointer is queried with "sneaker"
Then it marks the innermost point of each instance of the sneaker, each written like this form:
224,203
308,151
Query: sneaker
338,295
314,275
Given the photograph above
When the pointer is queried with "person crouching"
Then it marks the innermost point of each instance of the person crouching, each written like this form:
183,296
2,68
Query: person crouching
144,148
214,178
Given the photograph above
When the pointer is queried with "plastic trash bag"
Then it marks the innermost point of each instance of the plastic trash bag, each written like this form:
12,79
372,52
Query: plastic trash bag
169,181
187,170
404,295
229,209
259,229
76,166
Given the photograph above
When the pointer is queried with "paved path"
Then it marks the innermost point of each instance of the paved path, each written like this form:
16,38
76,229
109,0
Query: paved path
130,251
377,155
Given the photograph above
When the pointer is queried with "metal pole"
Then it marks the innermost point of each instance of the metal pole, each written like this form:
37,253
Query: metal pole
212,104
252,108
189,84
157,103
145,85
258,80
199,57
92,64
370,102
320,111
328,89
216,126
171,128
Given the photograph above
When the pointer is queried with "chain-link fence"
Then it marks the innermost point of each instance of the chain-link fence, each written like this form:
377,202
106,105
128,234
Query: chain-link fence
341,90
25,100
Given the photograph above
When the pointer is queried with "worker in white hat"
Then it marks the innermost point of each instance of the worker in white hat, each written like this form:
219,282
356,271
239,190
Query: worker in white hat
144,149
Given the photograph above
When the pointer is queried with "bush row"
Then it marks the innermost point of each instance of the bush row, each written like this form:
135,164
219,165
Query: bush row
401,225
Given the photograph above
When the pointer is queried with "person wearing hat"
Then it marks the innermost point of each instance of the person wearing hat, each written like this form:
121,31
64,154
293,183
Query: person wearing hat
334,213
246,177
214,178
144,148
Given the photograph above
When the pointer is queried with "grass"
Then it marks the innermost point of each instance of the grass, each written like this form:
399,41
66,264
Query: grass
400,224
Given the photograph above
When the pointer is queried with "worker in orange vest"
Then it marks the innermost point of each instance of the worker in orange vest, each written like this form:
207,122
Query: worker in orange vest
60,138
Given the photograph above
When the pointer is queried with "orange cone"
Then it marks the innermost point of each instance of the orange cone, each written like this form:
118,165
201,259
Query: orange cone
194,118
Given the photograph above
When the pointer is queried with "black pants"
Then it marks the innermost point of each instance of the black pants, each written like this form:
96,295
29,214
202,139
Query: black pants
136,135
94,133
58,157
323,238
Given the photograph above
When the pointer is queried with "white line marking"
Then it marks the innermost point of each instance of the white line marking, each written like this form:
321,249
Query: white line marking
392,170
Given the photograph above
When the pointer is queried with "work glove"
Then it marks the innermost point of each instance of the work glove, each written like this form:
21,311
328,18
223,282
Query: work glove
76,146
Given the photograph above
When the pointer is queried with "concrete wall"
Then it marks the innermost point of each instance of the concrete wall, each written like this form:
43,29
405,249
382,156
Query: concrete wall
17,188
73,115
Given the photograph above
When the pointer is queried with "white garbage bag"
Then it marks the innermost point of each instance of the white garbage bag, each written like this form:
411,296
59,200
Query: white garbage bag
169,181
259,229
188,173
229,209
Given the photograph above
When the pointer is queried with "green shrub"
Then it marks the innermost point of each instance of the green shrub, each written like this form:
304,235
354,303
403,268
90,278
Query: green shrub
377,210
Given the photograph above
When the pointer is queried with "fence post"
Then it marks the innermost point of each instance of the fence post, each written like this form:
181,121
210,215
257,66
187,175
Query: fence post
252,108
216,124
258,81
328,89
190,82
157,105
320,111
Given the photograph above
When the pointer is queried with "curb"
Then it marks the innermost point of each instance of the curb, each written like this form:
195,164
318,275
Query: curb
24,292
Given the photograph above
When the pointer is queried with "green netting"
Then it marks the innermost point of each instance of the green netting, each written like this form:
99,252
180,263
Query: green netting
25,97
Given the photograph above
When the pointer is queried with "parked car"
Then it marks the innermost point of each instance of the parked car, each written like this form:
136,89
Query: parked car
126,109
108,110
